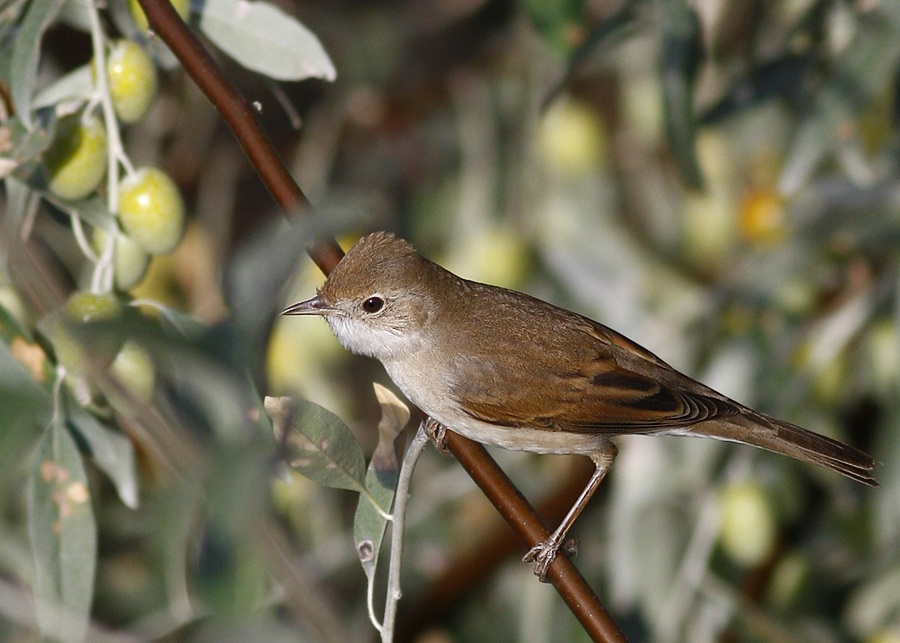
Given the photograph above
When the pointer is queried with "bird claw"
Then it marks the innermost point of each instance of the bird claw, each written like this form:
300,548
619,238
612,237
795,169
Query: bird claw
437,433
543,554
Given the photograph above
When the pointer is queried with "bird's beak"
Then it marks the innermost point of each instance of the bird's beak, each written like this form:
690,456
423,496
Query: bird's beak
314,306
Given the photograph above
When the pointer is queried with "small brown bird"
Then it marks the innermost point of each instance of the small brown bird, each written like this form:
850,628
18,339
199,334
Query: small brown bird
503,368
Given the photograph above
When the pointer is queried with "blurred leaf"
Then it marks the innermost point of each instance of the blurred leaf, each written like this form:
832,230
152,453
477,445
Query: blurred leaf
381,481
257,627
25,144
178,324
263,38
812,142
875,604
681,59
63,536
208,388
869,64
319,445
232,576
75,14
111,451
20,201
555,20
600,36
92,210
26,54
786,75
15,379
24,407
258,271
77,85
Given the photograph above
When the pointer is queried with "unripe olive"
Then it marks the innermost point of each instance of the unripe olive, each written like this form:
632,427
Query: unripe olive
133,367
132,80
151,210
75,349
182,8
571,139
747,527
75,162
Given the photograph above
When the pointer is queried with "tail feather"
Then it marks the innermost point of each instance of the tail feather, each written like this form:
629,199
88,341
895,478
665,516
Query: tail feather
789,439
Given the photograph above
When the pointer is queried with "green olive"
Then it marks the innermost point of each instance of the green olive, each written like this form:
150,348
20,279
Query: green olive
132,80
133,367
75,162
747,527
151,210
182,8
76,349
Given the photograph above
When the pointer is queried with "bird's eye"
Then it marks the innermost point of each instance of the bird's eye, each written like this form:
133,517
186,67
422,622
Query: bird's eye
373,304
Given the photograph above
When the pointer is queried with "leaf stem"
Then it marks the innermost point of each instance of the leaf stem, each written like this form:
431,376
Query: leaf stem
416,447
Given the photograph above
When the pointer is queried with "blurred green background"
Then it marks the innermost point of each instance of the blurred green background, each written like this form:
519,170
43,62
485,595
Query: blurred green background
718,180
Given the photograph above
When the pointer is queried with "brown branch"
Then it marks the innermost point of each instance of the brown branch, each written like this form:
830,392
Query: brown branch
241,118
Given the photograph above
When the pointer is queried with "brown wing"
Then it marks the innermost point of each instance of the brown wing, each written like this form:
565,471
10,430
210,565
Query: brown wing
608,384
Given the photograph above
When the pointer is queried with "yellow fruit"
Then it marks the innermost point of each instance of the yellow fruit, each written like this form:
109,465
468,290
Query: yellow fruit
76,349
747,528
133,367
130,261
891,635
570,138
151,210
75,162
132,80
182,8
788,579
86,307
762,218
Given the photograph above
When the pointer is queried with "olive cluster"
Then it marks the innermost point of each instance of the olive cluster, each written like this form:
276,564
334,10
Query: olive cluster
148,211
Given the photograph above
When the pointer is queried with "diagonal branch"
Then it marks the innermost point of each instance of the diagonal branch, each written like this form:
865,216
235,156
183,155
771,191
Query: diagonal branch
241,118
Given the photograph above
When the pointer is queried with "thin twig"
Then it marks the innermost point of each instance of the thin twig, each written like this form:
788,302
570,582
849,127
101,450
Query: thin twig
402,495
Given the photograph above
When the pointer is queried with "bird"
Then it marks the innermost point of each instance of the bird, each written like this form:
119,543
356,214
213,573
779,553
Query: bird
503,368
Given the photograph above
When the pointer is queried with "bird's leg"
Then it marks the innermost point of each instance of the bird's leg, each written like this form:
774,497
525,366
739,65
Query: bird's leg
543,553
437,433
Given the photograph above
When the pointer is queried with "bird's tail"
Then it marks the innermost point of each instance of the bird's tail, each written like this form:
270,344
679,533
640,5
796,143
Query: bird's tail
762,431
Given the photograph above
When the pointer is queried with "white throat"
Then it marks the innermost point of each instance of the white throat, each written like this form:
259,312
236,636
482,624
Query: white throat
378,340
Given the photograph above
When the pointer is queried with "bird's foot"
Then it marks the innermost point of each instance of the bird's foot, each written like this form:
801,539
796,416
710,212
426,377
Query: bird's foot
437,433
543,553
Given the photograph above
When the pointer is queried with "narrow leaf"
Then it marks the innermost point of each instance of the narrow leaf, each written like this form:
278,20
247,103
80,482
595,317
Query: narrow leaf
77,85
26,53
263,38
319,445
111,451
681,59
63,536
370,524
601,37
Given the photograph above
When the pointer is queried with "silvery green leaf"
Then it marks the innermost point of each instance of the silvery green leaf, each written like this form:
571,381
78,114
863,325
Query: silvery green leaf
263,38
381,480
110,450
319,445
63,536
92,210
26,52
681,60
75,14
77,85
